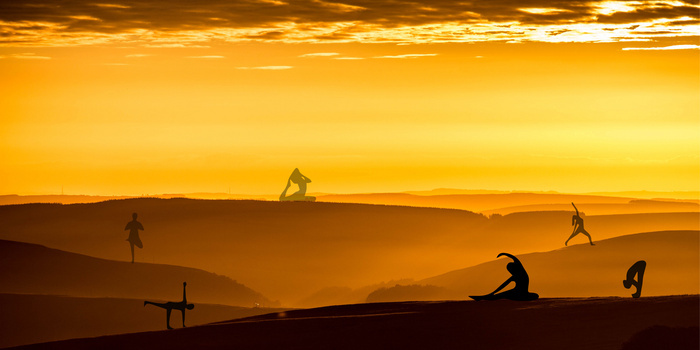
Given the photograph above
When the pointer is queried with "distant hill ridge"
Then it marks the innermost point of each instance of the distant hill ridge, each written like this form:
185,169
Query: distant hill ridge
581,270
290,250
36,269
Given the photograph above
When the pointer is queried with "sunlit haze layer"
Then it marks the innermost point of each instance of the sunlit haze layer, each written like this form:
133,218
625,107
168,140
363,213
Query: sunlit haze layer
138,97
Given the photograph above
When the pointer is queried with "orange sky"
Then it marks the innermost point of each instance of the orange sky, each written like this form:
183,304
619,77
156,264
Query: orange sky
133,97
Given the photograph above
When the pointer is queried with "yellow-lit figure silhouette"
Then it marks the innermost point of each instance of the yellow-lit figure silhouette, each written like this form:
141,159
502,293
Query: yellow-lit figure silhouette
577,222
298,178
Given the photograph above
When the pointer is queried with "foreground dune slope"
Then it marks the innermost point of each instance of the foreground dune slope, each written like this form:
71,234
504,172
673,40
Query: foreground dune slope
27,319
604,323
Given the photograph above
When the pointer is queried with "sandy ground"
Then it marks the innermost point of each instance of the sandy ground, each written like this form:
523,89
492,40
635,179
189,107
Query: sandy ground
594,323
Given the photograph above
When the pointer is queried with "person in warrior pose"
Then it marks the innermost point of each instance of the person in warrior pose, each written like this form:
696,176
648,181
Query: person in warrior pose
636,269
577,222
298,178
169,306
522,282
134,239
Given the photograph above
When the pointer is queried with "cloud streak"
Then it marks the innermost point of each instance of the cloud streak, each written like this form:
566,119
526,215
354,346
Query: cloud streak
268,67
207,57
410,55
320,54
25,56
663,48
186,22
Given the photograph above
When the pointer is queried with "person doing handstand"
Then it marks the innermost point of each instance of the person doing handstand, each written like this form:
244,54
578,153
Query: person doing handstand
134,240
577,222
169,306
522,282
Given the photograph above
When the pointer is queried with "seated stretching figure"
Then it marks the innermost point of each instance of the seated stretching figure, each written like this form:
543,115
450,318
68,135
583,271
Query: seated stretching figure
301,181
522,282
636,269
169,306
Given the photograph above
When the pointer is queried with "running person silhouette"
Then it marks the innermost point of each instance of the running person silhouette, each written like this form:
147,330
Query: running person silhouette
522,282
134,239
169,306
577,222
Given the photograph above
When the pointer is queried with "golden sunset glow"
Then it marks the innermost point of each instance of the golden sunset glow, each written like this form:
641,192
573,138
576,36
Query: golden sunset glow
139,97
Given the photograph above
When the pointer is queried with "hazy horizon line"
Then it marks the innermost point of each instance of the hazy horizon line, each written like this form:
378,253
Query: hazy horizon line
434,191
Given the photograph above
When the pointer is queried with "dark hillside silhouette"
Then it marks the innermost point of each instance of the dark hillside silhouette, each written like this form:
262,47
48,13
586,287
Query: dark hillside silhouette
34,318
634,206
474,202
289,250
579,271
542,324
34,269
407,293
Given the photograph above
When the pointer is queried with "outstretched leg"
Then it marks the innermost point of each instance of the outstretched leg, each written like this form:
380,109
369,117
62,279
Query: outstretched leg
167,320
183,317
573,234
587,235
167,306
160,305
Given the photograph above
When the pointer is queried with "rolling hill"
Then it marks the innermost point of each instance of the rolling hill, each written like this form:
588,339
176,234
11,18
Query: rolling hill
34,269
289,250
28,319
673,267
505,203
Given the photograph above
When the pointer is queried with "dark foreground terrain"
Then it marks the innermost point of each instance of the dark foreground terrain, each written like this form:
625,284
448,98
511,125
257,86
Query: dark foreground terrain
28,319
593,323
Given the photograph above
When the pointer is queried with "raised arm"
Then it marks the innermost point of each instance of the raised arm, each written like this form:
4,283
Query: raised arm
284,193
572,203
510,256
184,292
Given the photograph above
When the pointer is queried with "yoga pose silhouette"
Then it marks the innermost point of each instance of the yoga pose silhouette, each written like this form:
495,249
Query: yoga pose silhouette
577,222
169,306
636,269
298,178
522,282
134,239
